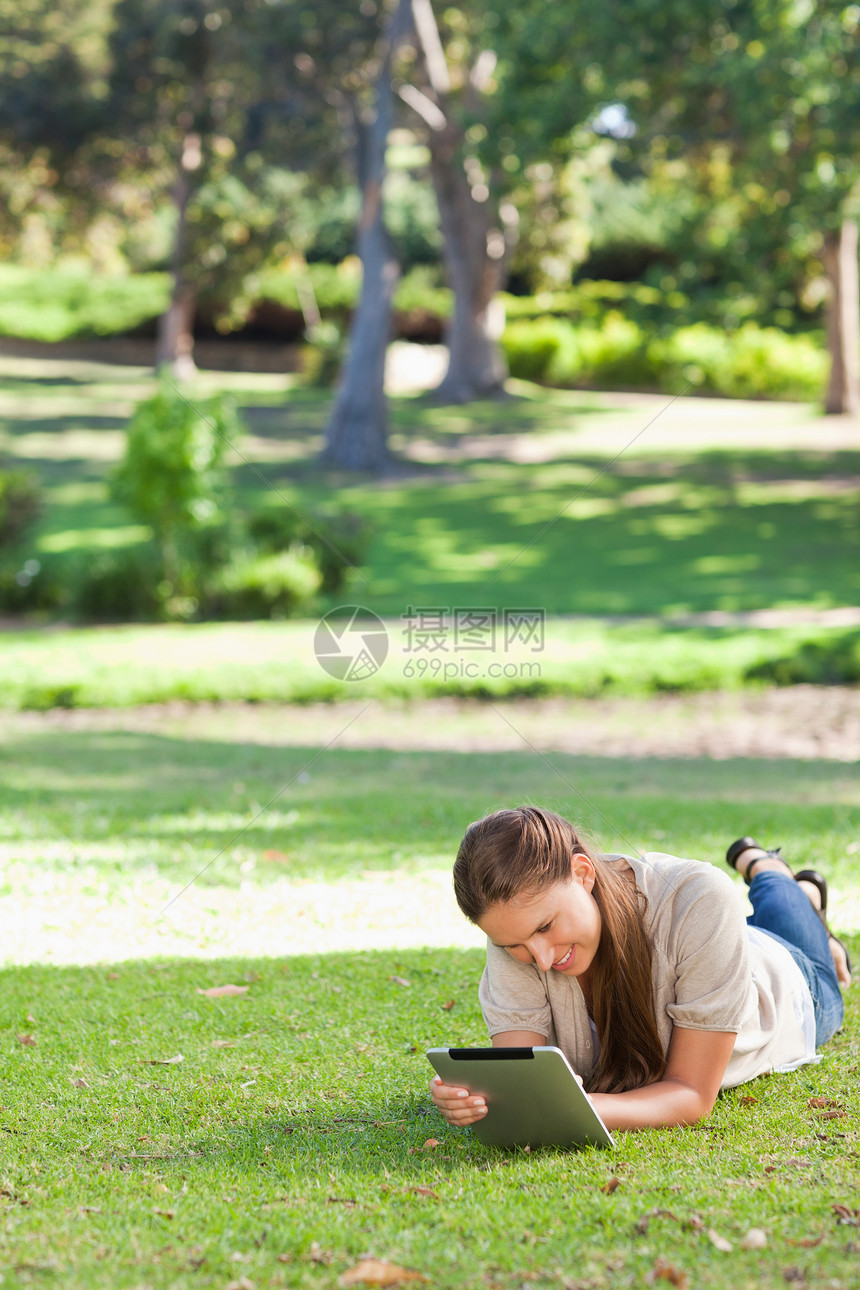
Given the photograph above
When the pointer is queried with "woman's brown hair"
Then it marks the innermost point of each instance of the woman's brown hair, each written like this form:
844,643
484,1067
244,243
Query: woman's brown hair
522,852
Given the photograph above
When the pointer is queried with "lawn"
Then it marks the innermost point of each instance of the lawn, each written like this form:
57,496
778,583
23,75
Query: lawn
290,1139
587,504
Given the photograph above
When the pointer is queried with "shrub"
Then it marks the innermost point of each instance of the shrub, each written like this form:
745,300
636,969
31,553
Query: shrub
264,586
337,538
830,662
20,504
753,362
122,585
172,476
29,585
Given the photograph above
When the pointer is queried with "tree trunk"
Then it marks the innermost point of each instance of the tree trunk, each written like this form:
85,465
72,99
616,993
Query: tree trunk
356,436
175,341
843,320
474,255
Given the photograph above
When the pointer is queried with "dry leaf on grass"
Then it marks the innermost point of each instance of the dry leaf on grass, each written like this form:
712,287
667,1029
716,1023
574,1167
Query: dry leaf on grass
27,1040
612,1185
80,1083
162,1061
223,1043
833,1115
275,857
665,1271
755,1239
805,1242
401,980
850,1217
820,1102
449,1005
748,1100
165,1213
431,1143
221,991
427,1192
378,1272
30,1019
719,1242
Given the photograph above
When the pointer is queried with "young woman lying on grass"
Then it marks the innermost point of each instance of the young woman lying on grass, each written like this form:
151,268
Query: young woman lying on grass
644,971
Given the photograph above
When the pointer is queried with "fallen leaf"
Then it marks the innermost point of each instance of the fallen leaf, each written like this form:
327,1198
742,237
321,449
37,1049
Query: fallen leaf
378,1272
89,1209
641,1226
794,1274
400,980
747,1100
850,1217
819,1102
161,1061
161,1188
30,1018
427,1192
833,1115
275,857
805,1242
220,991
165,1213
27,1040
80,1083
612,1185
449,1005
430,1143
719,1242
755,1239
665,1271
349,1201
223,1043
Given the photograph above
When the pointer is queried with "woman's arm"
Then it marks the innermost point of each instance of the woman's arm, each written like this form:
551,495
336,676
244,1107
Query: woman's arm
456,1104
686,1093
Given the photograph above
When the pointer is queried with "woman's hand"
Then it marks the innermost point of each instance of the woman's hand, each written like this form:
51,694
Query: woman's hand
458,1105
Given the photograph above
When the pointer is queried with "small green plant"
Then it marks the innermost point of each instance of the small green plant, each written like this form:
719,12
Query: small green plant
338,538
172,477
264,586
20,504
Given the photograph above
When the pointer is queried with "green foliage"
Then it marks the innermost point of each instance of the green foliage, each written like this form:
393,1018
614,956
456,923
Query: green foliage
752,362
172,477
59,303
337,537
125,584
20,504
323,355
255,586
832,661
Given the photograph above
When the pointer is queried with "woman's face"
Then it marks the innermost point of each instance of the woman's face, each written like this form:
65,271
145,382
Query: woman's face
558,929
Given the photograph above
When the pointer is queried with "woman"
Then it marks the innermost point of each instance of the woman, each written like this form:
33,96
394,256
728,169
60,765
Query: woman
644,971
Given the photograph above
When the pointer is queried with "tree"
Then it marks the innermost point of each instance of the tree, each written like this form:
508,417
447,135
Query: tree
356,434
193,130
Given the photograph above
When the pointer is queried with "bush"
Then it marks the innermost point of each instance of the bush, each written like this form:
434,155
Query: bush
30,586
753,362
264,586
56,304
830,662
122,585
338,539
172,477
20,504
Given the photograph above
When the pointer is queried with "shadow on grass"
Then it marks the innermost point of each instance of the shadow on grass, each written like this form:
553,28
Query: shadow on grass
183,805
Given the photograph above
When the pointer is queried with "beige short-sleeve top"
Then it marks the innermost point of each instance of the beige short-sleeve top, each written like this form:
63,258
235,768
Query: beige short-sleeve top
710,972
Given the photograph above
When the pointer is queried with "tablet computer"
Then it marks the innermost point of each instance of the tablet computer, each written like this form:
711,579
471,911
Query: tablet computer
533,1097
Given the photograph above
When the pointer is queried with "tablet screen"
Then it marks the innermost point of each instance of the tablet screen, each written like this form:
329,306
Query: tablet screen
533,1097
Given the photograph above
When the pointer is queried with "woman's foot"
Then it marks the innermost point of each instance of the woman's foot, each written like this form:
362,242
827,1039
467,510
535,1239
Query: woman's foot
756,857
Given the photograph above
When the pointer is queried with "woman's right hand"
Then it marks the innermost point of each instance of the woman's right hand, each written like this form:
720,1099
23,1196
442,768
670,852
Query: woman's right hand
458,1105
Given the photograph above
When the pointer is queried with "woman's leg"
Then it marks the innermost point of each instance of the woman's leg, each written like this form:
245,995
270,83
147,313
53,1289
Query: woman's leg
783,908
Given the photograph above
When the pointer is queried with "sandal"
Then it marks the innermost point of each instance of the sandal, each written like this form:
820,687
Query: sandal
805,875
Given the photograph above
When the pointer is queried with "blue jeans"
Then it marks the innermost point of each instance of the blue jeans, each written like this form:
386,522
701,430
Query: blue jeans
783,910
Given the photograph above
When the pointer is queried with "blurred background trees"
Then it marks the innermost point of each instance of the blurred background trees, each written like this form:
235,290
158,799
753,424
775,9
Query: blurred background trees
667,191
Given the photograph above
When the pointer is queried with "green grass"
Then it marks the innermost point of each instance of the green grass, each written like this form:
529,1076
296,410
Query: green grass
675,525
296,1146
275,662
